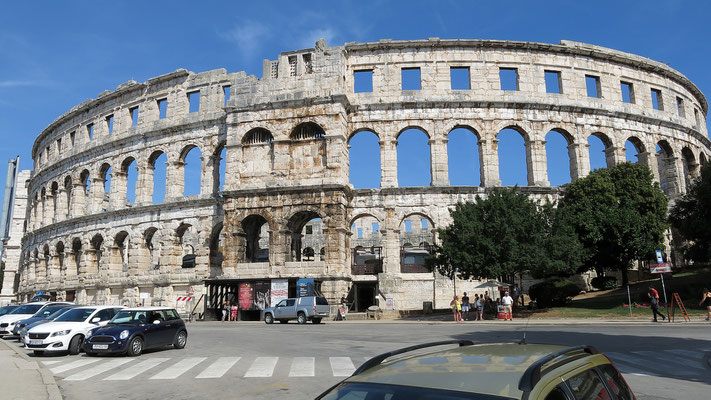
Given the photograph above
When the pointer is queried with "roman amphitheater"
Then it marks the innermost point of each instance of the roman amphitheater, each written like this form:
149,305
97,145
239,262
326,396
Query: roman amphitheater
286,209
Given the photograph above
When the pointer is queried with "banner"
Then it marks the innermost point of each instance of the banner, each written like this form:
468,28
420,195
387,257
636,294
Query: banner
304,287
280,290
245,296
262,296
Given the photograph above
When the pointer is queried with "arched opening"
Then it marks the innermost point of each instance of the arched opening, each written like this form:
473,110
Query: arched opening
153,245
45,262
77,253
598,143
216,254
158,163
633,148
691,167
256,230
415,228
304,230
54,189
68,196
192,171
257,155
221,160
97,243
188,241
105,174
129,168
702,159
558,157
366,246
308,254
59,250
307,130
413,159
257,136
513,166
463,161
119,262
364,160
666,167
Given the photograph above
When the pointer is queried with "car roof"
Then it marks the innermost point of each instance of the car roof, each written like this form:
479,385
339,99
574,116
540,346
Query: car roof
494,369
98,307
147,308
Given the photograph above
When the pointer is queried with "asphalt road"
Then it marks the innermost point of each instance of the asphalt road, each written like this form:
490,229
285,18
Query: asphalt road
258,361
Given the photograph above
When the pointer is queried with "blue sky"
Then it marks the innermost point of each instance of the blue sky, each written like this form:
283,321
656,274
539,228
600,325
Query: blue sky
55,55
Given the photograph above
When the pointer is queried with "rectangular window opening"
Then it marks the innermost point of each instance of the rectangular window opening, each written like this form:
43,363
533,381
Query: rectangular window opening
363,81
508,77
696,118
292,65
309,229
424,223
459,78
657,102
47,152
360,233
308,65
680,107
376,227
226,92
59,146
193,102
592,84
275,70
72,138
110,123
411,78
133,111
90,131
408,226
553,82
627,92
162,108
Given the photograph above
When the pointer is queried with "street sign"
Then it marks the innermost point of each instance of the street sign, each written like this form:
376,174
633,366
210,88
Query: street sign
660,268
659,256
191,291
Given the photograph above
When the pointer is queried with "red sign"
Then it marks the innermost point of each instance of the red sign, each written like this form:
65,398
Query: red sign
660,268
246,295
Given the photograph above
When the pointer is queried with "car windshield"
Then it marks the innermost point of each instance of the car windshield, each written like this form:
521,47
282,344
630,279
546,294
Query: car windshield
6,309
47,311
58,312
130,317
27,309
377,391
76,315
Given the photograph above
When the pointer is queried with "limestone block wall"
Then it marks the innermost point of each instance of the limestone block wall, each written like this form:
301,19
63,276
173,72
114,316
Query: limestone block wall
285,139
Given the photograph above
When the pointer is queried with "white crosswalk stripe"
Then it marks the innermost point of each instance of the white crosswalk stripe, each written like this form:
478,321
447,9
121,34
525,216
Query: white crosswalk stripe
219,367
179,368
51,362
262,367
73,365
342,366
107,366
136,370
302,366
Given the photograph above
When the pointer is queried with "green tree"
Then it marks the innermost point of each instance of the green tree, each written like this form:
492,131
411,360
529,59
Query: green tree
691,217
619,214
503,235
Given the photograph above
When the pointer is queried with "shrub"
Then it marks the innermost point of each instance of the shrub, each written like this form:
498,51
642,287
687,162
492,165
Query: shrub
553,292
604,282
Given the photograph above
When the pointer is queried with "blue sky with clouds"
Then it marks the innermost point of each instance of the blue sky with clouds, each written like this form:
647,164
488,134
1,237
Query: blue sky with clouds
54,55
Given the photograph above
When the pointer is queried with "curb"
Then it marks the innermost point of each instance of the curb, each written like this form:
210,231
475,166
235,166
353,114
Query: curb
53,392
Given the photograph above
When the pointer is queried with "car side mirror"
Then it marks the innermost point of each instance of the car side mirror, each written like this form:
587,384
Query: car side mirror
156,322
95,320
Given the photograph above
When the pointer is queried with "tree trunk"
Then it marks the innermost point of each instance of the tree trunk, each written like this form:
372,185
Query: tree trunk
625,280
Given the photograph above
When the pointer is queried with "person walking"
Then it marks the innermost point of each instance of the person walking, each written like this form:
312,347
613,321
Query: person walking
507,303
479,307
706,301
517,294
225,307
456,307
654,302
234,313
465,307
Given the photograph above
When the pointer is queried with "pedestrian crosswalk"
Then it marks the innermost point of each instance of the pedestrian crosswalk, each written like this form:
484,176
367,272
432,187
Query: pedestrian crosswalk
680,363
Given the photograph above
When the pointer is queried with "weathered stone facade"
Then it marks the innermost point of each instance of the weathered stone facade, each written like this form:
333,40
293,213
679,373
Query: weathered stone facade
287,162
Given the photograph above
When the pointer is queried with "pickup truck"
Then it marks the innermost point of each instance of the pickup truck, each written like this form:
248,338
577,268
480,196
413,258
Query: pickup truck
302,309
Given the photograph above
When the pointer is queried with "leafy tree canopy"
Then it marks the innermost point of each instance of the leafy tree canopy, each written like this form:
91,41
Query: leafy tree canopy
619,214
691,217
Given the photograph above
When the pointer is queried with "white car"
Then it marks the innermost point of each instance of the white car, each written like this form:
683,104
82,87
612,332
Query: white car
67,332
27,310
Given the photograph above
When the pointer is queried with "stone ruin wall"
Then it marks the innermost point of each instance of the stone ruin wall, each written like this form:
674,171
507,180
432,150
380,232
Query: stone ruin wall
287,161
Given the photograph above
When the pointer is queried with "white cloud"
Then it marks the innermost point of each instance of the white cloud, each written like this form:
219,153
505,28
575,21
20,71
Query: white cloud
309,38
16,83
248,36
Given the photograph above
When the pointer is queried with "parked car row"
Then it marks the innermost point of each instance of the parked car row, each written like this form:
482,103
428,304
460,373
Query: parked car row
60,327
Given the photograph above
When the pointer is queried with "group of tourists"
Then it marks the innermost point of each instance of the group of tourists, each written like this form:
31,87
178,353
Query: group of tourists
230,311
462,309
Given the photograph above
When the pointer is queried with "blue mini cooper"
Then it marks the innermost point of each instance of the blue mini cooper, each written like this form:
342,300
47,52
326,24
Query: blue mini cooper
133,330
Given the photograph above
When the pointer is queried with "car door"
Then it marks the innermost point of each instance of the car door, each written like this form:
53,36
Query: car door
172,323
153,331
163,328
289,310
278,310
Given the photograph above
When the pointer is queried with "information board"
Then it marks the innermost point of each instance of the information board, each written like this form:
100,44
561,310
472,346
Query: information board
280,290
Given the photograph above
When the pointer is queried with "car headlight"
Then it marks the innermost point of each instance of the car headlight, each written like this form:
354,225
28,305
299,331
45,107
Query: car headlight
61,333
12,323
123,335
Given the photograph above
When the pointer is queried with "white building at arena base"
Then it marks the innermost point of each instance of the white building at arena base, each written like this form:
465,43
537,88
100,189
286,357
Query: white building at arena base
286,209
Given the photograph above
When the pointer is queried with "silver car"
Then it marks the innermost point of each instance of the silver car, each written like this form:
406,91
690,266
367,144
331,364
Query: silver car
302,309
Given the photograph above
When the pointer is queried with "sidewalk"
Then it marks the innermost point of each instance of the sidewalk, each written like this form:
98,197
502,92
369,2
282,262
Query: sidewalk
22,377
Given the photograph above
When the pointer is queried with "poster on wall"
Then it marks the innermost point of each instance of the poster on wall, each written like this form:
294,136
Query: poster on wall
245,295
304,287
262,296
280,290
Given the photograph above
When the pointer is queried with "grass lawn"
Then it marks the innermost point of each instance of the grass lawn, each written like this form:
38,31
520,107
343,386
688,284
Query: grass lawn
608,304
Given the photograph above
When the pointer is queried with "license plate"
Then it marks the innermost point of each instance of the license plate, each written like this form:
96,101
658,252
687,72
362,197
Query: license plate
100,346
35,342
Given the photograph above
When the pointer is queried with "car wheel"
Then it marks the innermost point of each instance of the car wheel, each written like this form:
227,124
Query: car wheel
268,319
181,339
301,318
74,345
317,320
283,321
135,347
38,353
